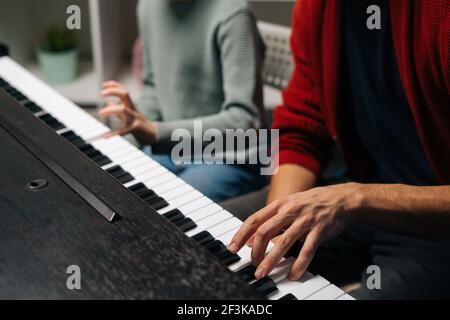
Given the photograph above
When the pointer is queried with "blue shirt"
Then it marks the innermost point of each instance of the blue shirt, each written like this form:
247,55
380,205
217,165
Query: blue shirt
384,121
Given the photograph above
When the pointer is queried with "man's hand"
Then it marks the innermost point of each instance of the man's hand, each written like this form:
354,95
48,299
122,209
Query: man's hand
313,216
133,121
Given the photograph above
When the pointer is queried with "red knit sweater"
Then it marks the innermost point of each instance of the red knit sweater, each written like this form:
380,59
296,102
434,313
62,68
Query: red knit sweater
314,112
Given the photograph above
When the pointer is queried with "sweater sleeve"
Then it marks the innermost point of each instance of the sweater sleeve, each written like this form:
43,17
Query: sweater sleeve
241,54
148,103
304,139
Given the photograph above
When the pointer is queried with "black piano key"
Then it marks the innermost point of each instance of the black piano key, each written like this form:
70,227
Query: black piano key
52,122
20,97
265,286
74,139
215,246
137,187
120,175
125,178
288,297
33,107
70,135
86,147
203,237
16,94
156,202
92,153
178,219
7,87
173,215
56,125
181,221
144,193
151,199
102,160
96,155
99,158
227,258
47,117
115,171
187,225
3,82
247,273
79,142
160,204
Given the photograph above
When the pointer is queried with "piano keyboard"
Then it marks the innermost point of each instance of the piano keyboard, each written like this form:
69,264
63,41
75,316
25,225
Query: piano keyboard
196,215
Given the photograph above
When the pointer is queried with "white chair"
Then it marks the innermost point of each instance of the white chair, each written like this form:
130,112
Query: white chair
278,64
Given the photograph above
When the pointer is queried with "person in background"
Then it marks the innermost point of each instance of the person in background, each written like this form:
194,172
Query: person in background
383,96
202,61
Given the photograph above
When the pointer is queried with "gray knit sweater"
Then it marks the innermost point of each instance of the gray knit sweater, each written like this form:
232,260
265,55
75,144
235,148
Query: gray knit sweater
202,61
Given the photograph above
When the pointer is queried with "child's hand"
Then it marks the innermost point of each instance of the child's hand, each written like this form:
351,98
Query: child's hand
134,122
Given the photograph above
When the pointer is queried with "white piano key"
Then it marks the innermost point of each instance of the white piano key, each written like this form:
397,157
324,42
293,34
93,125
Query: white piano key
135,161
108,144
137,177
142,161
92,133
135,154
165,186
110,149
205,212
209,222
346,297
176,192
150,174
120,152
227,237
194,206
330,292
246,257
281,270
76,121
301,289
245,254
225,227
177,202
144,167
214,220
166,177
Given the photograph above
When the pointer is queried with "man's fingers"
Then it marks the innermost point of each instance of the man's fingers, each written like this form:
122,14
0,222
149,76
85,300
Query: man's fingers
250,225
306,255
250,241
283,244
266,232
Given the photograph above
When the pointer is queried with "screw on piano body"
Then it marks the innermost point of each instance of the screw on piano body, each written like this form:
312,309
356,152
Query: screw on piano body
36,185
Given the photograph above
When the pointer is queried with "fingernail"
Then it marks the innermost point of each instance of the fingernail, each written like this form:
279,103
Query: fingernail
259,273
233,247
293,277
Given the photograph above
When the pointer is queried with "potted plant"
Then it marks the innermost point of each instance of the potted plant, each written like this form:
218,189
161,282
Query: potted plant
58,55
